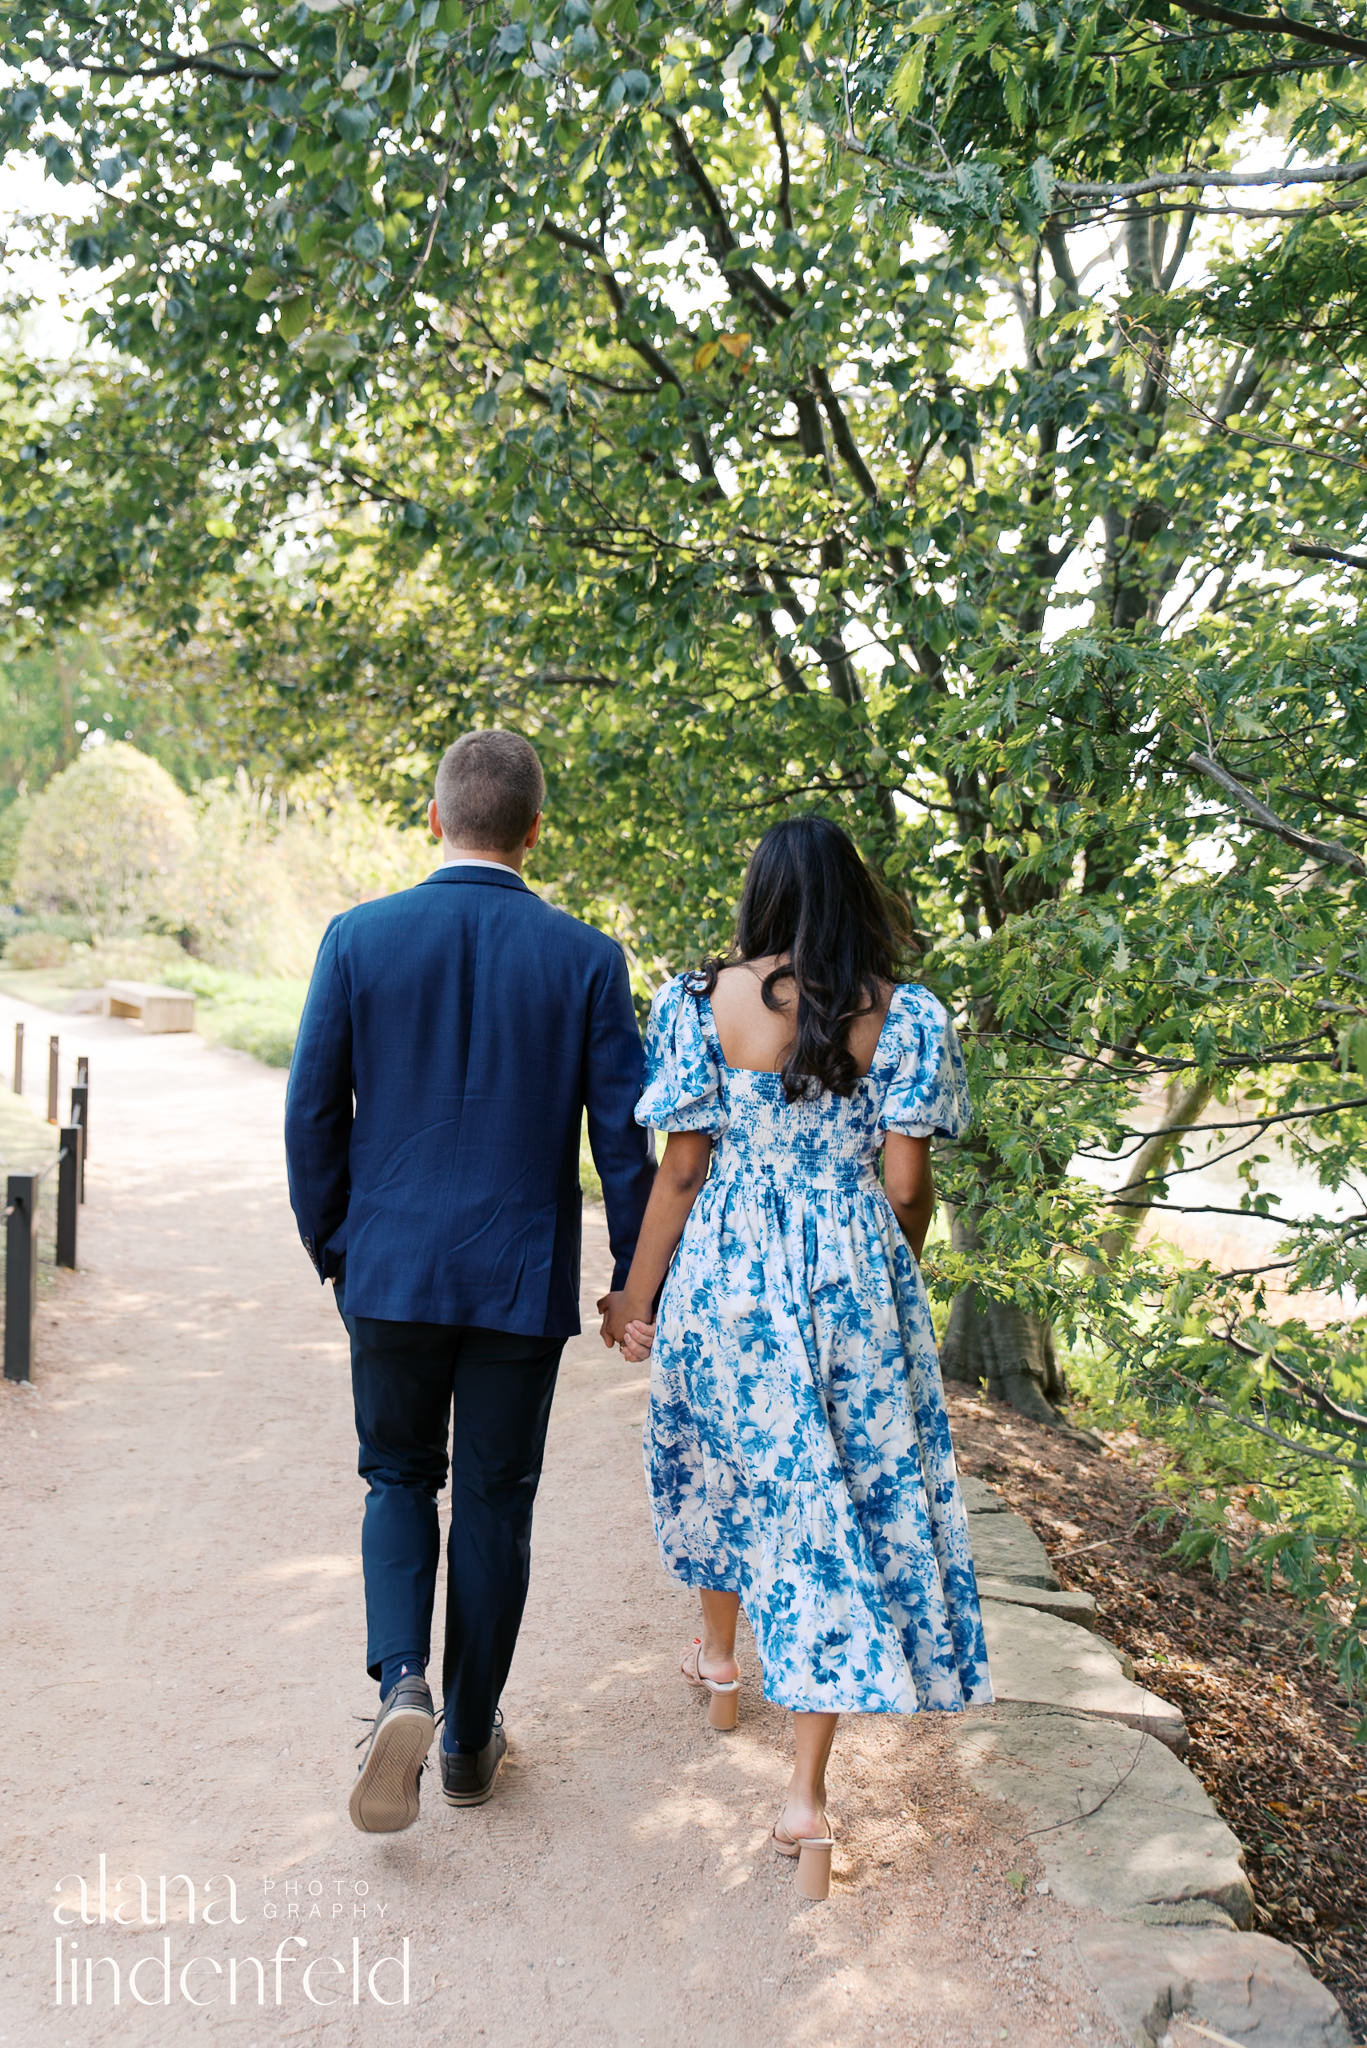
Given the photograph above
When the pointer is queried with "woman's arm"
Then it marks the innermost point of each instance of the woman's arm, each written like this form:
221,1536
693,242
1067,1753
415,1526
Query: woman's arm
909,1186
678,1178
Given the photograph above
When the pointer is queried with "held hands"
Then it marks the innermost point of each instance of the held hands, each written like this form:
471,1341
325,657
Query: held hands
621,1326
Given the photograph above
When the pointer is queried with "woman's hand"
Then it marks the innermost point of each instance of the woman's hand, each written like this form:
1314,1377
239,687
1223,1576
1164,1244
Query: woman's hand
637,1342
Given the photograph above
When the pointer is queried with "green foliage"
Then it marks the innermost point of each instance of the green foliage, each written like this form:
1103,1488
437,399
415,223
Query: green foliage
110,839
809,405
13,818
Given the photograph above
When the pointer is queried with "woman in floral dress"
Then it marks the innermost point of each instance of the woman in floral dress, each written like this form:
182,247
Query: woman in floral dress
797,1447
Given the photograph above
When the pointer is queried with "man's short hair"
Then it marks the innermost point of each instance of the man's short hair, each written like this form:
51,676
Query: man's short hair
489,789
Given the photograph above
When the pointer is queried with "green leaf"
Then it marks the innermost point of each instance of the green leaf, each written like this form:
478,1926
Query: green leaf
353,124
293,317
737,58
905,90
260,282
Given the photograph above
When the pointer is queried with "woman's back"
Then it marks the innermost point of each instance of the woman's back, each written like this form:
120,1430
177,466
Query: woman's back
752,1035
704,1073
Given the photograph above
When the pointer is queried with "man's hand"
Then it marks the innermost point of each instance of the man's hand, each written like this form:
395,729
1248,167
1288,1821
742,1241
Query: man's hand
626,1324
611,1307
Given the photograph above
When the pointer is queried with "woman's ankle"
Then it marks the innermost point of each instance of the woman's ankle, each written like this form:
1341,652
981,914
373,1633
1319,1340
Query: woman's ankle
804,1811
718,1662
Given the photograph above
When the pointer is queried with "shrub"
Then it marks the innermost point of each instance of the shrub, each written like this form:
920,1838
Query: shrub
37,949
264,886
112,840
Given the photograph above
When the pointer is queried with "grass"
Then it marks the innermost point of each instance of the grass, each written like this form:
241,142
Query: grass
28,1142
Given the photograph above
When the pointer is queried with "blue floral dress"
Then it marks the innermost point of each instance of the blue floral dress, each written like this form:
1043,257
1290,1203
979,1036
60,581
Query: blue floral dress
797,1448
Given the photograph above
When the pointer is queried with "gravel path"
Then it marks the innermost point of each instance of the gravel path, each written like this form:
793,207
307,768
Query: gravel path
182,1584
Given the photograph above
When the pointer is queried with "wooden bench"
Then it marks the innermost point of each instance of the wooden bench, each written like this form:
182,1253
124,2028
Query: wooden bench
156,1008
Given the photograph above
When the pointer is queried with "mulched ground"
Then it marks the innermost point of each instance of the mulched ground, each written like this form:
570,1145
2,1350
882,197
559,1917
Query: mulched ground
1271,1731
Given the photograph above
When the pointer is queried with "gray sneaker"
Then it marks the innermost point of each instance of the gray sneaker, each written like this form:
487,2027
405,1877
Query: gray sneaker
470,1780
385,1795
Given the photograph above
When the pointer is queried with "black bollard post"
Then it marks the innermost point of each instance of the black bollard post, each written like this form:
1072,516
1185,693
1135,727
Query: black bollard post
68,1194
18,1059
83,1081
80,1114
53,1063
21,1273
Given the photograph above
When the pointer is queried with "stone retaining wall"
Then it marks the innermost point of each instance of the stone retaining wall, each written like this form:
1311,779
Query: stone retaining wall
1120,1825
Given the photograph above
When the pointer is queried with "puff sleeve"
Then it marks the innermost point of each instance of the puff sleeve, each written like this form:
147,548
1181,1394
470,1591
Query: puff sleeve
928,1092
682,1083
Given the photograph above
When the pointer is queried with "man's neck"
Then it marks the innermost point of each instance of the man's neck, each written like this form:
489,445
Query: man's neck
450,855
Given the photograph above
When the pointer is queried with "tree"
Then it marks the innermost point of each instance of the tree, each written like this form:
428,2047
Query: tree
111,840
926,419
52,695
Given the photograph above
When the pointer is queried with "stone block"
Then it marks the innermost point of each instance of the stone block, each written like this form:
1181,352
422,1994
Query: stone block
1115,1820
1247,1988
1065,1603
1005,1547
980,1499
1039,1658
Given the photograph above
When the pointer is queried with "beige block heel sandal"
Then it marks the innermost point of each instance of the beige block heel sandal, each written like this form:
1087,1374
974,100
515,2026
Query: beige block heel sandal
723,1705
812,1878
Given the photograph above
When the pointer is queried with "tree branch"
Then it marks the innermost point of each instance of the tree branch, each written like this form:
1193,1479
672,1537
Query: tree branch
1328,850
1319,554
785,175
1301,1450
1138,188
1273,25
742,278
1308,1391
204,62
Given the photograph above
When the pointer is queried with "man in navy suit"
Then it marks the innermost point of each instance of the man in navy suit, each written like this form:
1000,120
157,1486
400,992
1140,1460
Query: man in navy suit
454,1036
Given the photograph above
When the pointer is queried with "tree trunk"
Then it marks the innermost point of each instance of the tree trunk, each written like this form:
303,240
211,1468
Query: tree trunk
995,1341
1184,1106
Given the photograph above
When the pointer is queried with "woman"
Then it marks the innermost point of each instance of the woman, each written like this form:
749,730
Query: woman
797,1446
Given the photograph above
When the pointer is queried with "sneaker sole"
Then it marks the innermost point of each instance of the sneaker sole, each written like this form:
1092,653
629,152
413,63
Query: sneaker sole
475,1798
384,1799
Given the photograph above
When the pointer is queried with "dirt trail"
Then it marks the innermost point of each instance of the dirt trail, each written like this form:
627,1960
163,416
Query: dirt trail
182,1591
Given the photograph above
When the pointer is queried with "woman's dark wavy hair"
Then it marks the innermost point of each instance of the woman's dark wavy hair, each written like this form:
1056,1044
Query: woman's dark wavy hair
808,895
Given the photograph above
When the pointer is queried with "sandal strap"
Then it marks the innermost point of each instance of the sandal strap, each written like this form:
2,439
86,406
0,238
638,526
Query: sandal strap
788,1841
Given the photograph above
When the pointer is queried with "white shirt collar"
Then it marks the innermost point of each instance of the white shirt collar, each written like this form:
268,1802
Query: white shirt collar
466,860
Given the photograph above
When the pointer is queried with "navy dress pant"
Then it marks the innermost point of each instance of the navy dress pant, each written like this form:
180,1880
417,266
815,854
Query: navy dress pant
429,1394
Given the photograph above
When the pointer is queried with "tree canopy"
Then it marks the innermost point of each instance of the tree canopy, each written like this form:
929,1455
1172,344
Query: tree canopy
950,421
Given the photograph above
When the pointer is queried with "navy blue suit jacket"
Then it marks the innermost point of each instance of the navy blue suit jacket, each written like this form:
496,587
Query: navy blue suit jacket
453,1037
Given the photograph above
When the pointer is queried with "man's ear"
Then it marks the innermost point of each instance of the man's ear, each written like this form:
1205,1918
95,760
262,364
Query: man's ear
433,821
534,834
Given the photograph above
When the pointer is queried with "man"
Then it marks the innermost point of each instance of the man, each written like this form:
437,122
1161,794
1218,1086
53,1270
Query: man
453,1037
